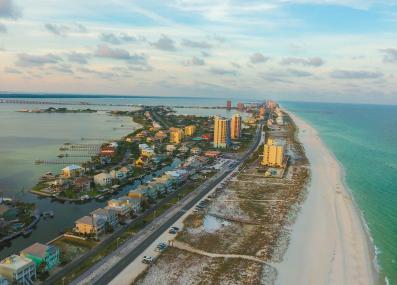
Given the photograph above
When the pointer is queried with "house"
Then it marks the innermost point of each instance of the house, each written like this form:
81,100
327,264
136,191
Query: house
3,280
126,170
206,137
147,191
117,174
40,253
142,161
108,214
108,151
90,225
195,150
82,183
146,150
18,269
114,145
160,135
179,176
103,179
184,149
212,153
72,171
170,148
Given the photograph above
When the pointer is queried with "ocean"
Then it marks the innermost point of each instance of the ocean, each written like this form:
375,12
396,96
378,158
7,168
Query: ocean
364,140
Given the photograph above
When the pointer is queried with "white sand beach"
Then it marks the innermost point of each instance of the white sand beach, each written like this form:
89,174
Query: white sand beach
329,244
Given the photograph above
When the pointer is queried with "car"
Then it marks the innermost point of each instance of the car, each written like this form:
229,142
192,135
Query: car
162,245
172,231
175,228
147,259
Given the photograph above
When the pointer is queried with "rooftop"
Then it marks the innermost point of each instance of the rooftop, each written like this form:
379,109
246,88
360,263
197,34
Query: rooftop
37,249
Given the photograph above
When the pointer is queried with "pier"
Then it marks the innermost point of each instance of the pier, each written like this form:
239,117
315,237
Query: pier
61,161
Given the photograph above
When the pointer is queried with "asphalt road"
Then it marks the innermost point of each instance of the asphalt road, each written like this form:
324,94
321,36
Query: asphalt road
115,270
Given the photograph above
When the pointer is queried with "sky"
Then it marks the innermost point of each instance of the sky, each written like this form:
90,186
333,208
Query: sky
310,50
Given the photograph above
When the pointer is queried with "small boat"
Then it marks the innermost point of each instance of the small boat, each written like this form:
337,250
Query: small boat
60,155
27,232
48,214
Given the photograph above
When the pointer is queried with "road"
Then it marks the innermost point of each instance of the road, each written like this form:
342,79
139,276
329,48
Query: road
106,270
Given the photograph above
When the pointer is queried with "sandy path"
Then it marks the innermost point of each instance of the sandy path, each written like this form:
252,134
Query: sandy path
328,243
189,248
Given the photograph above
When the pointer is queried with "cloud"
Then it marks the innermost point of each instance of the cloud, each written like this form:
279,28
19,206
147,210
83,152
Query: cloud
9,10
258,58
77,57
310,61
59,30
27,60
355,74
164,43
63,68
81,28
122,54
101,74
389,55
281,75
221,71
3,28
117,39
12,70
195,61
196,44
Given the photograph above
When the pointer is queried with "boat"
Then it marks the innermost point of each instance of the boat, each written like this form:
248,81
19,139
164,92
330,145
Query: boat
48,214
60,155
27,232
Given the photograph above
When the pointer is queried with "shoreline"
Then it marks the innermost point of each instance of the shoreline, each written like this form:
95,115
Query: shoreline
329,239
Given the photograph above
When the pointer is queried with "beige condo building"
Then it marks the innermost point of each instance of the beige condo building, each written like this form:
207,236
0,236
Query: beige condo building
221,132
273,154
235,127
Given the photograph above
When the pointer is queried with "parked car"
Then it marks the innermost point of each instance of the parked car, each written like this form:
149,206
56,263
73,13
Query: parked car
175,228
147,259
172,231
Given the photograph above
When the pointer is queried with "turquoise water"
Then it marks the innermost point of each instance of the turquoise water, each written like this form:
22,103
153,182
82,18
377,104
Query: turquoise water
364,140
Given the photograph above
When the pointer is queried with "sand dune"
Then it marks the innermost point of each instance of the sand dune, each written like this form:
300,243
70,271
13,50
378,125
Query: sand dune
329,244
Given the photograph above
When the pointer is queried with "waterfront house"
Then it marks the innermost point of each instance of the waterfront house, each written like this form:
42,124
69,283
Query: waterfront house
3,280
127,170
82,183
72,171
18,269
90,225
117,174
103,179
41,253
122,205
108,214
179,175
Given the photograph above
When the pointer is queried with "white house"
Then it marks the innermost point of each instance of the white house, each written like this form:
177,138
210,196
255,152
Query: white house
18,269
108,214
103,179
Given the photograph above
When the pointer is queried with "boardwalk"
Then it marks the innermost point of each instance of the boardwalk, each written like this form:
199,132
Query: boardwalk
184,246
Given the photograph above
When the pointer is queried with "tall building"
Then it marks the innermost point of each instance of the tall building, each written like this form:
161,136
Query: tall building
190,130
229,104
221,132
235,127
176,135
240,106
273,154
262,111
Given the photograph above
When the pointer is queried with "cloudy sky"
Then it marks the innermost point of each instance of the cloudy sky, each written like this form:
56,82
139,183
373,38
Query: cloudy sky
316,50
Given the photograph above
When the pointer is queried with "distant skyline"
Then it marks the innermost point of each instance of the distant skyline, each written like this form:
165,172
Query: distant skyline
311,50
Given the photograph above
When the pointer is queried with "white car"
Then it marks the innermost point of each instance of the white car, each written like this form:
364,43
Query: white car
147,259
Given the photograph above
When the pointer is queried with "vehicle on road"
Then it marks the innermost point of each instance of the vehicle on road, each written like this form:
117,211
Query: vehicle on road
175,228
172,231
147,259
